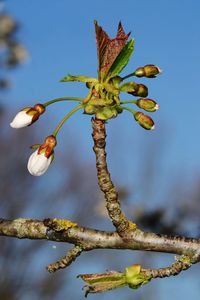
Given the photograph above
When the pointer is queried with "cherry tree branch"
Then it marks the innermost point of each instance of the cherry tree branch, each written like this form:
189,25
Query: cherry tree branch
89,239
113,206
126,236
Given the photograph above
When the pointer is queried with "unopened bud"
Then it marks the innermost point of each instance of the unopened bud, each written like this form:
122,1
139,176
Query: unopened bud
149,71
141,90
147,104
145,121
27,116
134,277
41,159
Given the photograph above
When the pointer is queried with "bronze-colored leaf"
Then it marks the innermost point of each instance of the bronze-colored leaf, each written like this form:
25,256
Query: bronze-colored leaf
108,49
102,40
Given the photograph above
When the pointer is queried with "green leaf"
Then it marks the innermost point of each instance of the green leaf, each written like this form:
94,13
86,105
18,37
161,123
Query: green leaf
101,282
122,60
79,78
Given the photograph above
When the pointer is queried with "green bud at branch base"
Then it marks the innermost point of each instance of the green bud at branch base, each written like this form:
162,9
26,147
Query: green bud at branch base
134,277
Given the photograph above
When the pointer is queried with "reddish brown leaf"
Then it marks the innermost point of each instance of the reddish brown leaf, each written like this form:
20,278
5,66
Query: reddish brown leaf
108,49
102,40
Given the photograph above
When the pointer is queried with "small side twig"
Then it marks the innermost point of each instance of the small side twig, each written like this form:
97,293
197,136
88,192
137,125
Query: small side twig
181,264
66,260
113,206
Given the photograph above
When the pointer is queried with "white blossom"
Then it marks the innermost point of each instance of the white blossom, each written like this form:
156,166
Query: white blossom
38,163
22,119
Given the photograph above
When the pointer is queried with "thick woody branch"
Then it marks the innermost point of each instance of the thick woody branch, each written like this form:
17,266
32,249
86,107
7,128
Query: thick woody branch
119,220
89,239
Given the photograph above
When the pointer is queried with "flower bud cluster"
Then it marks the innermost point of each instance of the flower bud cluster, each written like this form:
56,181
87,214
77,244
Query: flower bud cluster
141,90
103,99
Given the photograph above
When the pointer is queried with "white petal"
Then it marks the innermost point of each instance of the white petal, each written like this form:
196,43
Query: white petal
38,163
21,120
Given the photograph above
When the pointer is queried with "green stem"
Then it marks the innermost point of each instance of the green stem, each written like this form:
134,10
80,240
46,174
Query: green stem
62,99
127,76
67,117
128,101
129,109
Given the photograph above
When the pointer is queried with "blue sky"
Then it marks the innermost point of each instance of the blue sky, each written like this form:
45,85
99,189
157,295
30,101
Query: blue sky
59,36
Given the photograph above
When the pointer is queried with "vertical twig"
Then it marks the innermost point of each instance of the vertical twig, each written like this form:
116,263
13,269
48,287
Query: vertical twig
113,206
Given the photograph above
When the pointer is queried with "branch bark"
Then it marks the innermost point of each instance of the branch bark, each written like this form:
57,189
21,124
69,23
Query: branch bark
89,239
119,220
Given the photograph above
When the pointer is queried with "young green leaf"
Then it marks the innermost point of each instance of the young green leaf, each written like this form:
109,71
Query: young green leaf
122,60
79,78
